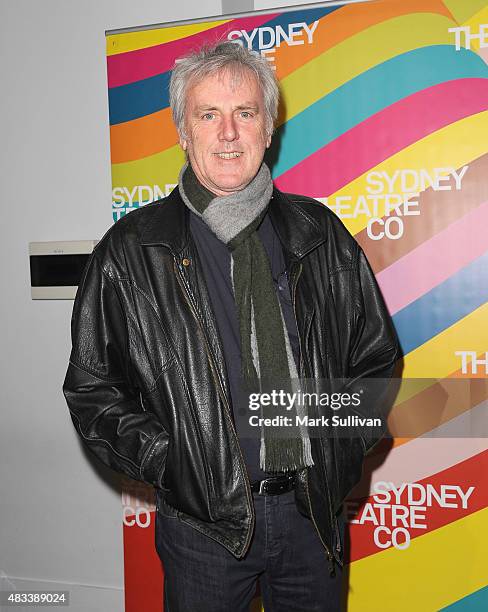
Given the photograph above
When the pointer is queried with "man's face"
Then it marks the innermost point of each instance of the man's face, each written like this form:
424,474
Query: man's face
225,135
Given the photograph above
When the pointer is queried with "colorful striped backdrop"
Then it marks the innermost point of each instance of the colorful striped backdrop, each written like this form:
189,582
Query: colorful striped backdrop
384,119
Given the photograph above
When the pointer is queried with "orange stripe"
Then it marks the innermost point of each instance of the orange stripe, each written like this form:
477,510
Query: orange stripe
347,21
427,397
142,137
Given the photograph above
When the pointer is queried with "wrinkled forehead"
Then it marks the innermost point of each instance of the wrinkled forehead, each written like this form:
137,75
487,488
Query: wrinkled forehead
235,75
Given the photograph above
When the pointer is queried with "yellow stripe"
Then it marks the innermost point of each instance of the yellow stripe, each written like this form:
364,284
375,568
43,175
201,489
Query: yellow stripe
453,146
436,358
131,41
474,23
463,9
436,570
408,389
359,53
478,18
158,169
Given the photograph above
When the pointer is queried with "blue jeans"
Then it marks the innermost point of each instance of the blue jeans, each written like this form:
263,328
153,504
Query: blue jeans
285,555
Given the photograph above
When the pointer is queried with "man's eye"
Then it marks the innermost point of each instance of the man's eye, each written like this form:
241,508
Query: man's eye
208,116
246,114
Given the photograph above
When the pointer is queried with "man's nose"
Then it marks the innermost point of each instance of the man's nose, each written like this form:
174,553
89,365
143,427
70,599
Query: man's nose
229,130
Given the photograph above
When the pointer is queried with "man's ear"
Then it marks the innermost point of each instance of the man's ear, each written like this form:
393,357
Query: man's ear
183,143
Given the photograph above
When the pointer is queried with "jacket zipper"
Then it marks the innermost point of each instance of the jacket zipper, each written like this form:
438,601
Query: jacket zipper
330,557
223,396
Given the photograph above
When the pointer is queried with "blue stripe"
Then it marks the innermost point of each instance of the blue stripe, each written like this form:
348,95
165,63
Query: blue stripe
367,94
138,99
475,602
443,306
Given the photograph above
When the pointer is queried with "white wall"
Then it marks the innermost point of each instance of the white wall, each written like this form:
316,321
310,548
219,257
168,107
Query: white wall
60,520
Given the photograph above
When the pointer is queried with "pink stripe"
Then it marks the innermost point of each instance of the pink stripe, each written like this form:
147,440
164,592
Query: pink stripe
435,260
384,134
141,64
425,456
421,458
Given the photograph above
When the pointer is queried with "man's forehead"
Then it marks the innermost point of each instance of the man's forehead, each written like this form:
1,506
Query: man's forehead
244,104
229,77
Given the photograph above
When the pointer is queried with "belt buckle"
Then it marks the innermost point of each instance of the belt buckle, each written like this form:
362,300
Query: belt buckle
284,482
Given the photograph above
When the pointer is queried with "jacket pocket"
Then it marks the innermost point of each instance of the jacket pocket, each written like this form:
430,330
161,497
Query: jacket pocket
163,508
348,455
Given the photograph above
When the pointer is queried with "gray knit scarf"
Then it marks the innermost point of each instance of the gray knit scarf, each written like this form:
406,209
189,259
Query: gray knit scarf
265,346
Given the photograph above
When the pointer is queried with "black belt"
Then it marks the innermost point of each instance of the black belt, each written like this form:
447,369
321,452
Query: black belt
276,485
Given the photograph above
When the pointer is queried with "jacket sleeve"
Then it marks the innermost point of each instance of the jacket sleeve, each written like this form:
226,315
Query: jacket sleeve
373,355
106,408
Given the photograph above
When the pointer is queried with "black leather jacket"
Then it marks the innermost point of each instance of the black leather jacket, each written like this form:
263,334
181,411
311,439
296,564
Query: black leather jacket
146,384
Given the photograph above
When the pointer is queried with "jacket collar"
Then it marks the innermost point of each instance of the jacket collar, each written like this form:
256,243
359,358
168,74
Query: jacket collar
167,224
298,231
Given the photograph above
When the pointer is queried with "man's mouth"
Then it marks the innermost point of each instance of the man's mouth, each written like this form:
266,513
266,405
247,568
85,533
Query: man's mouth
231,155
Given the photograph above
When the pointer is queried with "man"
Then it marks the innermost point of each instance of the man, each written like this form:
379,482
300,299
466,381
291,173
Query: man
189,301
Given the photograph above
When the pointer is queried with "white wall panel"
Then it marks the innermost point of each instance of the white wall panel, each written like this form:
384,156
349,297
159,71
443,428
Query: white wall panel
60,515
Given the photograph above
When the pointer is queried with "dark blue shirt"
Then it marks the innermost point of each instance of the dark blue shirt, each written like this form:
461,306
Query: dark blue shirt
215,259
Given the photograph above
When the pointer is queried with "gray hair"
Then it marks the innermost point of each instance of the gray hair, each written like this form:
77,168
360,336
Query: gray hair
213,59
